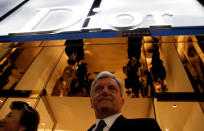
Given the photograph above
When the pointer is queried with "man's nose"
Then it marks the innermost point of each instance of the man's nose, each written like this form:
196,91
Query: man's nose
105,90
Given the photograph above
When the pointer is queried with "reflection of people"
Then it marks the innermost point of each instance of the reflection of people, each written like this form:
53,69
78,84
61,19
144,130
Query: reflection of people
74,50
60,88
21,118
158,70
107,101
132,74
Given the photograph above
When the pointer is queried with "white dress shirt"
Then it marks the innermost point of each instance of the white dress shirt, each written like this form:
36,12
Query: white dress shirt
108,120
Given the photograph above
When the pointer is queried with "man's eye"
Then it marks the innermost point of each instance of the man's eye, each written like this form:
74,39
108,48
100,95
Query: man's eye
111,88
98,88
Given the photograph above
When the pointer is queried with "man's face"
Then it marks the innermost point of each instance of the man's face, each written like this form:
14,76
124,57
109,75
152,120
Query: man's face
106,95
12,121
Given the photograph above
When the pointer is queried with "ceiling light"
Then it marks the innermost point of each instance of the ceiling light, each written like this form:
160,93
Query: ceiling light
166,129
1,101
174,106
43,124
28,102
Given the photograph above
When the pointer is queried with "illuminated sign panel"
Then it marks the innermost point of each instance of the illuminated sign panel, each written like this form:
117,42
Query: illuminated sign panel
47,16
132,17
133,14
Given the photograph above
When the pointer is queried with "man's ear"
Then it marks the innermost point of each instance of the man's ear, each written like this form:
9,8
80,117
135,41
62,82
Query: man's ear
22,128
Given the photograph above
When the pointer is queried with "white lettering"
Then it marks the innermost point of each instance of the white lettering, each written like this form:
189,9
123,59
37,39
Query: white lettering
43,13
136,20
158,17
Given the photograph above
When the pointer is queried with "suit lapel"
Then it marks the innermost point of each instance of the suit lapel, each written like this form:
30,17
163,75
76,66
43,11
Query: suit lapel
91,128
117,123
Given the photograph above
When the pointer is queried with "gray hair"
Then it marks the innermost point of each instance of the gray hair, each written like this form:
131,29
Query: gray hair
106,74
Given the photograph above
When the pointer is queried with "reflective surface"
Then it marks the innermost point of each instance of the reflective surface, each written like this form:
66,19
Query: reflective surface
67,67
56,75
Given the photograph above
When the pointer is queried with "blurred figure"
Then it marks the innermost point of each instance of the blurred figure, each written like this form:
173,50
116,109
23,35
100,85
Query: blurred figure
134,47
21,118
157,69
74,50
60,88
132,80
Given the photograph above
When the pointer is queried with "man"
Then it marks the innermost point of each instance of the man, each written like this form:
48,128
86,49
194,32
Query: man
21,118
107,101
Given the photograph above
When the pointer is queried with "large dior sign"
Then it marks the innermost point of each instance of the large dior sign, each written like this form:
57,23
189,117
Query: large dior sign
47,16
134,18
43,13
54,16
130,20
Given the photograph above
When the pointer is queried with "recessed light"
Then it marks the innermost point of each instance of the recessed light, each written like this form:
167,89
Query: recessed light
43,124
166,129
28,102
1,101
174,106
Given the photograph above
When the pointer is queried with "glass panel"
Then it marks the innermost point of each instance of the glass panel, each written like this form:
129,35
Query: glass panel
177,116
23,66
67,67
169,68
15,61
46,118
191,52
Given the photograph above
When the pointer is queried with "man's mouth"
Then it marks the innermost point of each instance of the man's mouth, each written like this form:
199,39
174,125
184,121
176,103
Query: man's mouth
105,99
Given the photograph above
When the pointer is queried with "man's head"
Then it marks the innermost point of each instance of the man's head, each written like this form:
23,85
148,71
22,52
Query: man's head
106,95
21,118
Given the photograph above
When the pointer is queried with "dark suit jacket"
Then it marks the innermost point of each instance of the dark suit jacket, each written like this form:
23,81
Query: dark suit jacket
123,124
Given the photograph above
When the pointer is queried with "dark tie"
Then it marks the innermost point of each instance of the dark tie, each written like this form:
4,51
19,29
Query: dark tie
101,125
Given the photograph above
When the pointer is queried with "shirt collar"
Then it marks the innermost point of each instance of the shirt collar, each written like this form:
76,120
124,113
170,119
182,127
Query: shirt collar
109,120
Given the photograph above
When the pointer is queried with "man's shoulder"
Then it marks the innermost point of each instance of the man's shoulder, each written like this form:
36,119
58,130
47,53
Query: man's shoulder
140,124
140,121
136,120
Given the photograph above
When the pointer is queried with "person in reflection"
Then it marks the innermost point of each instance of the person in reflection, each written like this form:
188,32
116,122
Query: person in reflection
106,97
21,118
132,74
